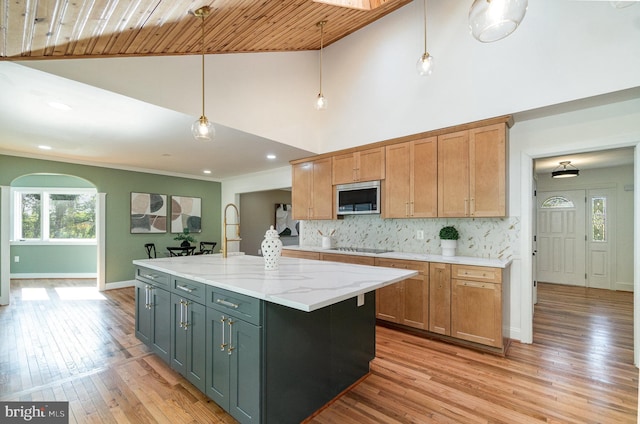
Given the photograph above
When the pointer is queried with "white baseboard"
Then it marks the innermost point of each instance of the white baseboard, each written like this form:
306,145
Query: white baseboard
49,275
120,284
624,286
512,333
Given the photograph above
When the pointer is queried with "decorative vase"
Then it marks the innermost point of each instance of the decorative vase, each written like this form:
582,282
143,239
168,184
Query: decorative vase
185,243
448,247
271,249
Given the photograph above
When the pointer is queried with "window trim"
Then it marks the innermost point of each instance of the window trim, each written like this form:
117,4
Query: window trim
45,192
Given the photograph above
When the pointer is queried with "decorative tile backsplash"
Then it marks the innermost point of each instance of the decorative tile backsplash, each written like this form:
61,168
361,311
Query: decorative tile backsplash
479,237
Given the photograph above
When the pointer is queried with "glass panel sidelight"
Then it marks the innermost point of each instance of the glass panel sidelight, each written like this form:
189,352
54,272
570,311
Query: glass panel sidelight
557,202
599,218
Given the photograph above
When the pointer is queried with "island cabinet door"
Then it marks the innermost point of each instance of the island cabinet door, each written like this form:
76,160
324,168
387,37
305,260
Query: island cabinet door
152,318
188,340
244,377
143,314
217,339
233,365
160,322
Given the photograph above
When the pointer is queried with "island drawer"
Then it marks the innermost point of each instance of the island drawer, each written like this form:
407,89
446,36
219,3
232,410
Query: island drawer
476,273
151,276
236,304
190,289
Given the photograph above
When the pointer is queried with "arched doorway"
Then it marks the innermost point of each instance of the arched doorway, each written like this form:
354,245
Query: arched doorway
52,227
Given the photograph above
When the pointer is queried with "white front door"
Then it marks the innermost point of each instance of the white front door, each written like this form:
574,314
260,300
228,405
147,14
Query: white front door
561,237
601,238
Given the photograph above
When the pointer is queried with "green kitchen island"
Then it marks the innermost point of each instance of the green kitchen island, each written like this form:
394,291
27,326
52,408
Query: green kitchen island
267,346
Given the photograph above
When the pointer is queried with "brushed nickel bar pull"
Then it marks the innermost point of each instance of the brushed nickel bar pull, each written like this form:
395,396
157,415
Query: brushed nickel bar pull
184,288
227,304
223,344
231,348
149,276
186,315
181,314
147,296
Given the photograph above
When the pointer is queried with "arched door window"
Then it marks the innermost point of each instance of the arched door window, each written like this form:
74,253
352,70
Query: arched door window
555,202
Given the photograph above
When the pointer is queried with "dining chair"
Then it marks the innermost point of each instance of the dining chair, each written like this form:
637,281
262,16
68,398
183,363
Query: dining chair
151,249
181,251
206,247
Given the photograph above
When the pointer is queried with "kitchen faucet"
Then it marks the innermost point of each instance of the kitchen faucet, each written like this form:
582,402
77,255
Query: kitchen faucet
224,229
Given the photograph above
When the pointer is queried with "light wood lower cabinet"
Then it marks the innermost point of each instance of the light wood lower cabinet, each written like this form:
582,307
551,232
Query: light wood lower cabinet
300,254
406,302
440,298
476,304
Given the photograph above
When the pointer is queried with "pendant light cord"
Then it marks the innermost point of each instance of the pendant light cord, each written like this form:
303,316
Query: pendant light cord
425,25
202,17
321,25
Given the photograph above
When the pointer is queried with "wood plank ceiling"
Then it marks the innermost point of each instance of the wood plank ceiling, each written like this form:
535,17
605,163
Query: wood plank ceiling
51,29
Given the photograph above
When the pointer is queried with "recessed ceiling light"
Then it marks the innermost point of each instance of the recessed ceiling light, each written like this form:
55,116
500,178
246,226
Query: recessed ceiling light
206,171
271,156
43,147
59,105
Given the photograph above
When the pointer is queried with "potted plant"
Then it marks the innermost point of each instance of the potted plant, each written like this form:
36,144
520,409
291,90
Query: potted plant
449,240
186,238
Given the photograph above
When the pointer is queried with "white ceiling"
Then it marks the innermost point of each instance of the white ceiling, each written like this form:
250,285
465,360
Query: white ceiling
107,129
589,160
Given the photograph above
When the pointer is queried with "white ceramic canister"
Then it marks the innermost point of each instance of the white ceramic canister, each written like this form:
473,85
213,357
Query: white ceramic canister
271,249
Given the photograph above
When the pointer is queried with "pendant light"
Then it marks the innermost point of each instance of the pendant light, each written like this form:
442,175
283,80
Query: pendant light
425,63
492,20
565,170
203,129
321,101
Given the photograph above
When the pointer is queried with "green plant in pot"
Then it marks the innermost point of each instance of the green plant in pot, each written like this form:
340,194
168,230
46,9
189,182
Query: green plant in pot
449,240
185,237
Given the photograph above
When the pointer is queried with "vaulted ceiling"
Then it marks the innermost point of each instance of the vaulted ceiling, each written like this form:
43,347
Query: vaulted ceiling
92,28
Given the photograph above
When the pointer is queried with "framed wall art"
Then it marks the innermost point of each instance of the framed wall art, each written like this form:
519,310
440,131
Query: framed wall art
148,213
186,213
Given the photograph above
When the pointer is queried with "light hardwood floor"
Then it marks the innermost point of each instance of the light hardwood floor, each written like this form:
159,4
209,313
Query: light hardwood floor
579,369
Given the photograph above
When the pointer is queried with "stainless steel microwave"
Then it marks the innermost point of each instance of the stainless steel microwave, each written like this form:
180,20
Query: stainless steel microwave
358,198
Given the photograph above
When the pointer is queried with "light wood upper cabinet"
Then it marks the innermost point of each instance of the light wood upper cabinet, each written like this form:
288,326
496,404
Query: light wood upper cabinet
365,165
472,172
312,192
411,183
406,302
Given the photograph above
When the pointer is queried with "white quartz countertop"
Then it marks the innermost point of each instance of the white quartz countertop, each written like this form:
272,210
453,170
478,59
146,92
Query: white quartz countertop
302,284
459,260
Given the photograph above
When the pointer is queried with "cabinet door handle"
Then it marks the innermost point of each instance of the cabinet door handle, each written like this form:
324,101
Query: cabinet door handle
406,208
466,206
231,348
186,315
472,210
184,288
412,209
148,296
181,313
227,304
149,276
223,344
